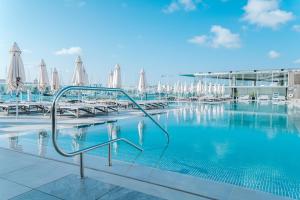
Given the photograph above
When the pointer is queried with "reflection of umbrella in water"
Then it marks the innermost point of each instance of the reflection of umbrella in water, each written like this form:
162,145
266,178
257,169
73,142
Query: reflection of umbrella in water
113,131
42,143
141,127
78,138
14,143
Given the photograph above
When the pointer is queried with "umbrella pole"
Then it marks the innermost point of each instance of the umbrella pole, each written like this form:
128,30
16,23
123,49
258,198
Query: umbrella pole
17,104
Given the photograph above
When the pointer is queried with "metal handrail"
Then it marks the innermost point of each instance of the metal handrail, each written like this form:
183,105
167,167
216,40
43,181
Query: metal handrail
80,152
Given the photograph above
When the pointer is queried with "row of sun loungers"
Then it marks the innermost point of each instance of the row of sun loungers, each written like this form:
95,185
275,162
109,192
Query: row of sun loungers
78,108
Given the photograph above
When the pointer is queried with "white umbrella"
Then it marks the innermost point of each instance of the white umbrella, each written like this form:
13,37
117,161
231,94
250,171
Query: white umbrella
117,82
209,90
219,89
43,81
142,86
79,77
222,89
205,88
199,88
159,88
215,89
110,79
185,88
192,88
55,80
181,88
16,73
168,89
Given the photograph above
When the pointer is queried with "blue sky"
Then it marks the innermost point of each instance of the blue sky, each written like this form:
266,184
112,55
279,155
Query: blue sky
164,37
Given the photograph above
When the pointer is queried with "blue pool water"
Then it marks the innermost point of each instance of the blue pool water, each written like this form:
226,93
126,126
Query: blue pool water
251,145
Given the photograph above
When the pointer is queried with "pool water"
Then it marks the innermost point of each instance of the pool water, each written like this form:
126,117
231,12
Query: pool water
247,144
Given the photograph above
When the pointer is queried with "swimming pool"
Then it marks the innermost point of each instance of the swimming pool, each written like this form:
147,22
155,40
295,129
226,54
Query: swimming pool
247,144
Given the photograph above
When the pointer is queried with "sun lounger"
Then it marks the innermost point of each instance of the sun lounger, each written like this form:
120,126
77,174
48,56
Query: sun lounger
263,98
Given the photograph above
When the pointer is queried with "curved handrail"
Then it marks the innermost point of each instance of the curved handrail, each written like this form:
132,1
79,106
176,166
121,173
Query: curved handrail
68,88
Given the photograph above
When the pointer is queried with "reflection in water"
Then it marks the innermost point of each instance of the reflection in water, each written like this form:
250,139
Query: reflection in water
141,127
78,141
14,143
113,133
42,143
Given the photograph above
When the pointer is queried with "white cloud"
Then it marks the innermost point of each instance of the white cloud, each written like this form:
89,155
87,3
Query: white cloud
69,51
273,54
296,27
186,5
219,37
201,39
297,61
266,13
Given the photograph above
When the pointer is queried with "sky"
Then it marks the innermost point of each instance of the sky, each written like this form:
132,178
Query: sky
165,38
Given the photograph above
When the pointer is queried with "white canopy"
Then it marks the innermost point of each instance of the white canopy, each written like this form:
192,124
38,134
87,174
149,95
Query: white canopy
199,88
142,86
205,89
168,88
79,75
192,88
209,90
159,87
185,88
16,73
222,89
55,80
117,82
110,79
43,81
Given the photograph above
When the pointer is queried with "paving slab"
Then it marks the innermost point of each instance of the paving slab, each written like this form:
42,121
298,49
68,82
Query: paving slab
10,189
34,195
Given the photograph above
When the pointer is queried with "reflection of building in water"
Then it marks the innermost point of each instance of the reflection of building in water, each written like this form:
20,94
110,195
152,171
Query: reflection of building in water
113,133
141,127
42,143
78,141
14,143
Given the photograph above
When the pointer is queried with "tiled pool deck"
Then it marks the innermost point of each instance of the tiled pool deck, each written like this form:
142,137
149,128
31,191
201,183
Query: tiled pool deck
25,176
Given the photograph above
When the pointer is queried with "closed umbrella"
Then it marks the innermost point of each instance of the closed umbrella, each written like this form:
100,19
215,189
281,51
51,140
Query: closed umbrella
159,88
185,88
16,73
110,79
192,88
55,80
117,81
199,88
215,89
79,77
142,86
209,90
222,89
43,81
205,88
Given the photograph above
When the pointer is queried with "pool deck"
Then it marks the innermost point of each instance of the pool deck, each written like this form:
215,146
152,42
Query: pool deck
26,176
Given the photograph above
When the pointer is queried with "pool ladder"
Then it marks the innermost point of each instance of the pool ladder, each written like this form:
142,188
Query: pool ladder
80,152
